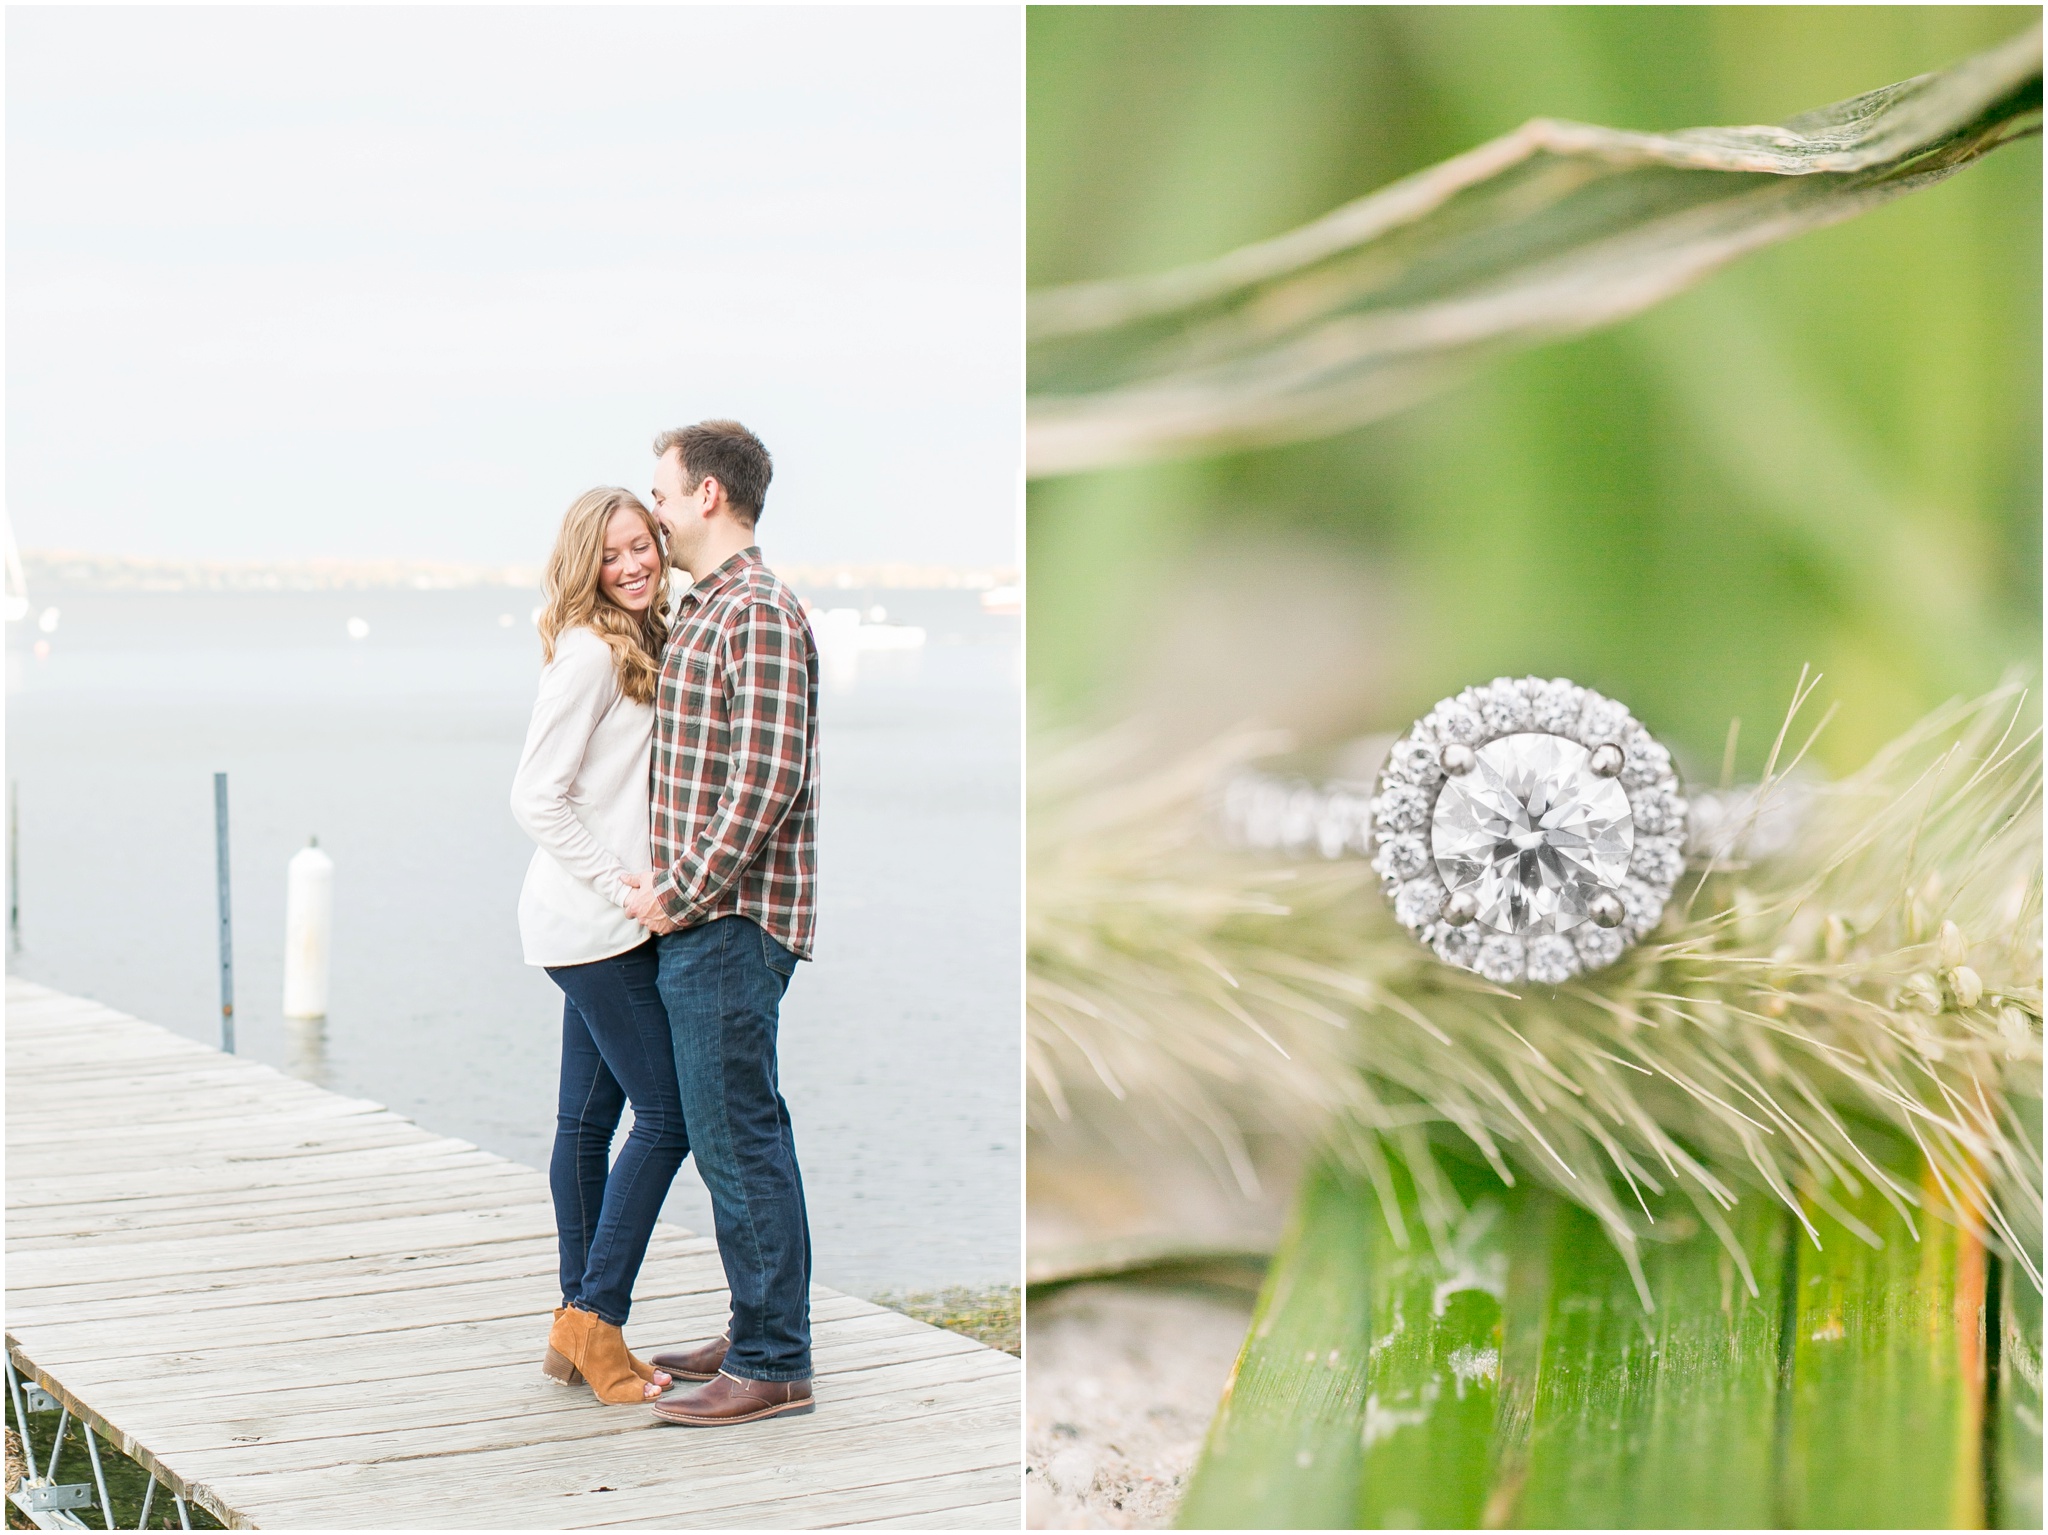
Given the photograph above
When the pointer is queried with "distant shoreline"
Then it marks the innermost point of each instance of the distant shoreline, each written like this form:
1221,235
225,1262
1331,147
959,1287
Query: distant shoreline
67,570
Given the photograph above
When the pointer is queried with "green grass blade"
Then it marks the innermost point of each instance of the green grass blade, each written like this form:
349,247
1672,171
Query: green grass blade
2016,1408
1435,1381
1508,1374
1283,1451
1552,230
1659,1418
1886,1389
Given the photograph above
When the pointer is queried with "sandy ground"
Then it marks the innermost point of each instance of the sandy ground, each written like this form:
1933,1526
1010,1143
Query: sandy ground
1122,1383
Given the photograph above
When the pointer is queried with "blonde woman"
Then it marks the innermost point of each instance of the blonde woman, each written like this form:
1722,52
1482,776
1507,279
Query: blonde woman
581,793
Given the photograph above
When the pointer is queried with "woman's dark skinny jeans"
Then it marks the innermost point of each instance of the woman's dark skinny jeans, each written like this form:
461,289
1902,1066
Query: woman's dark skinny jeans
615,1047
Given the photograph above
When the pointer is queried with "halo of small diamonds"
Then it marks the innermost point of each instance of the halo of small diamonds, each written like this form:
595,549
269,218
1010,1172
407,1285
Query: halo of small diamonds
1537,824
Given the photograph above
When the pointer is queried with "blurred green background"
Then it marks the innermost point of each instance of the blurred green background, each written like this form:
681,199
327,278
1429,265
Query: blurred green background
1828,453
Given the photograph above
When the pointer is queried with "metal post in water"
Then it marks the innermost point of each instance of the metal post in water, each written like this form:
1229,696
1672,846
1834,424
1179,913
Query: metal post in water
227,936
13,867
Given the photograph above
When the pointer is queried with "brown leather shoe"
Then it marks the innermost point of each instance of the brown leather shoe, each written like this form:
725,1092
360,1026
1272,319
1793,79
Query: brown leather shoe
698,1362
728,1399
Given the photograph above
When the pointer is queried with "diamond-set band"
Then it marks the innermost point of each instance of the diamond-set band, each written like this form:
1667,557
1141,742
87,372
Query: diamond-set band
1527,830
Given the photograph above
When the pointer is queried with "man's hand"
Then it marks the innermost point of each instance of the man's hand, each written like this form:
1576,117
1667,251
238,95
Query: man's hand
642,907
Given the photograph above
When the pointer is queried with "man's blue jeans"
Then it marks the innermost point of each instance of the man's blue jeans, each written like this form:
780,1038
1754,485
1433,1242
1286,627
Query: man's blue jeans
723,983
615,1047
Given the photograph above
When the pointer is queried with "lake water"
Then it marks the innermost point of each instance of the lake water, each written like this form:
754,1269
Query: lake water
900,1044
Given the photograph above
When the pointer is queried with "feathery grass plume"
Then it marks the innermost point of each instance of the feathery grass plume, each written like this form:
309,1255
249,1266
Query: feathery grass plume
1878,978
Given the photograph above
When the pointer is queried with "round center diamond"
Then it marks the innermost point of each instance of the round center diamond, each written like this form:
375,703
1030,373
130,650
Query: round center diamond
1533,832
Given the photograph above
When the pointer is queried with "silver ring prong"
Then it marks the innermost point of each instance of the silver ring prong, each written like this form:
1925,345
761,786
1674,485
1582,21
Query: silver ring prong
1458,759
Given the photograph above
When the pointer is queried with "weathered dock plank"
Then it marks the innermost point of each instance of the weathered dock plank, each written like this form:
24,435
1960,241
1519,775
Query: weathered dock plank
303,1310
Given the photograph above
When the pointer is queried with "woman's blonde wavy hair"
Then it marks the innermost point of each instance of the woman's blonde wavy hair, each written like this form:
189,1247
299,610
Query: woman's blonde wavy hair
573,594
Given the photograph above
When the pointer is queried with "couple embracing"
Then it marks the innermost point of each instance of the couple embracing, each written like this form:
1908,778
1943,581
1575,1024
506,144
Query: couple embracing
670,779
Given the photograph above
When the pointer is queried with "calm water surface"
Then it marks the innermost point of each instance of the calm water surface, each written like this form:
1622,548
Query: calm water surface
900,1044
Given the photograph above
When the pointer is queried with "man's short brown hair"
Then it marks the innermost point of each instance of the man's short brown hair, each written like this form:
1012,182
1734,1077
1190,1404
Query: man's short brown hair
726,452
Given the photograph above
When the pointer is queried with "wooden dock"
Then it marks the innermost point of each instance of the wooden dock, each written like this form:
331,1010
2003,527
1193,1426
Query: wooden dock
304,1311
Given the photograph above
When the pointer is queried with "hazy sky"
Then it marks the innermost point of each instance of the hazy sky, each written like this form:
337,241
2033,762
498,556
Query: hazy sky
402,282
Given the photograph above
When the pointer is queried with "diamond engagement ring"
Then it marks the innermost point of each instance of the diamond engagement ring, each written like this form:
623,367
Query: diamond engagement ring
1528,830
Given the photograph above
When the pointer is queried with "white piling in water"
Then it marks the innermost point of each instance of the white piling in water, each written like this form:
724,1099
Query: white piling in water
308,929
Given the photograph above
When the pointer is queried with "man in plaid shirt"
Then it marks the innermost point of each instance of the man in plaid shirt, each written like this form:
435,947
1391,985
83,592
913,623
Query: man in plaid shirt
733,823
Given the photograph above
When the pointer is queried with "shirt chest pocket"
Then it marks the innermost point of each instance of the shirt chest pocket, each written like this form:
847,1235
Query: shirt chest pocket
697,670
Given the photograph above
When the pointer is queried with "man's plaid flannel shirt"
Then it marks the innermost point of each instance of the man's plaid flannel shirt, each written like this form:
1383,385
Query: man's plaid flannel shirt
733,816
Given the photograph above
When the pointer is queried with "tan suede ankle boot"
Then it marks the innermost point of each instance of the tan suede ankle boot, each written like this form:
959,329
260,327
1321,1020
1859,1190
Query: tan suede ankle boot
597,1350
557,1368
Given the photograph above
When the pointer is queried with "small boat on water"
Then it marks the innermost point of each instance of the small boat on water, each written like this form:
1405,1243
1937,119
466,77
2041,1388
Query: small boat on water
850,629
